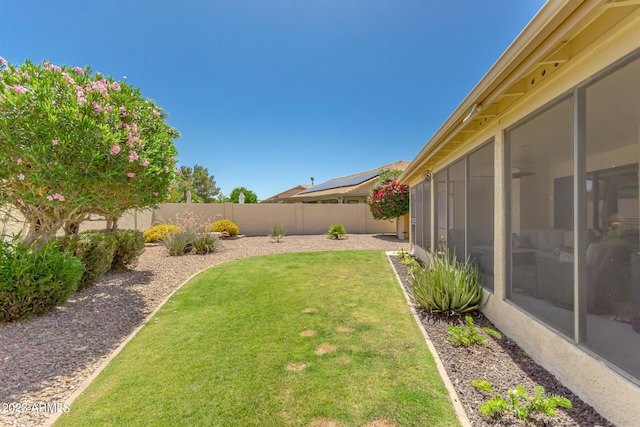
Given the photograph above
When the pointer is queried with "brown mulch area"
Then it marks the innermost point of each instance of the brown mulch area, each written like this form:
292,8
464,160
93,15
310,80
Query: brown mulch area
501,362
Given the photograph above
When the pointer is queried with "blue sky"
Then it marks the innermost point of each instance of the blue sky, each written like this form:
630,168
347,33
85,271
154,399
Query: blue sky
268,93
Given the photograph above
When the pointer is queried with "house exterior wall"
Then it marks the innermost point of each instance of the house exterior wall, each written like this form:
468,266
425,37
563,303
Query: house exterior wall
612,392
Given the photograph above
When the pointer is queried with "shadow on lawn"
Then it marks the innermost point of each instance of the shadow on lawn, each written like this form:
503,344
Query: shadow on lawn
68,339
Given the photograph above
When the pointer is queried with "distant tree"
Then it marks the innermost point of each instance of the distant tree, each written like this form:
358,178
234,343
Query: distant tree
221,198
249,196
312,179
197,181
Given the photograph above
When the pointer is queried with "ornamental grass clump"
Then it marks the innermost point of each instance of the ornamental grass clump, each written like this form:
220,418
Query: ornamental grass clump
446,285
277,233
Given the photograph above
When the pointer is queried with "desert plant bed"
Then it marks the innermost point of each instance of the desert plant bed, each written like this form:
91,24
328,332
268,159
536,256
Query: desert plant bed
501,362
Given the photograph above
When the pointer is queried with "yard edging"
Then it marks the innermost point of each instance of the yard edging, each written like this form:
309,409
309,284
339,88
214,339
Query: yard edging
87,382
453,395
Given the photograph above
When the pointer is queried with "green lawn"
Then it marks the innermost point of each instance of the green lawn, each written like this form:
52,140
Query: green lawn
242,344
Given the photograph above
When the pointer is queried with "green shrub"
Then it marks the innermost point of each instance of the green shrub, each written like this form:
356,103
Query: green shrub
467,334
205,244
130,247
520,403
33,281
447,286
96,250
336,231
158,232
224,226
277,233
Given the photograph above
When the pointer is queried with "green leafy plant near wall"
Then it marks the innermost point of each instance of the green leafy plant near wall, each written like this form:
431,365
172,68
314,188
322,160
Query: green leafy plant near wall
468,334
336,231
520,403
447,285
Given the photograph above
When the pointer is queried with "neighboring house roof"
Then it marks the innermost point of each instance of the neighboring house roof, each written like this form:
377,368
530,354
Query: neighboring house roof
286,193
558,33
355,185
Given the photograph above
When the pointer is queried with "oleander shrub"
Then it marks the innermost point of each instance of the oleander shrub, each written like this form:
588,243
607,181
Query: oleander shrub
95,250
447,285
129,248
158,232
35,280
224,226
336,231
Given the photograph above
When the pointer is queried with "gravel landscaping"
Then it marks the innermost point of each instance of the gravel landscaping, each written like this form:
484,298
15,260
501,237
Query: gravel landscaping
501,362
45,360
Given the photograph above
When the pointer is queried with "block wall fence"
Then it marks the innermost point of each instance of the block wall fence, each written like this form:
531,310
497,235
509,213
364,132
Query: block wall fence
252,219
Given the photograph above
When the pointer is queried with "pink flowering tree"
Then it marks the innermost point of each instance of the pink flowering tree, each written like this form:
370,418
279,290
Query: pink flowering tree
76,143
388,198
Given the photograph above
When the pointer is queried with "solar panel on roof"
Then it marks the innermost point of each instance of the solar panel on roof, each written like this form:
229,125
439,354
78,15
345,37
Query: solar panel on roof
344,182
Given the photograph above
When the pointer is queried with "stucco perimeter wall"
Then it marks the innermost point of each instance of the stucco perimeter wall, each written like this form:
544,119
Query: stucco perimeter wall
298,218
253,219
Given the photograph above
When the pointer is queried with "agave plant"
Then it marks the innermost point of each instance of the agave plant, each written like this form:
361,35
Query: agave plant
447,285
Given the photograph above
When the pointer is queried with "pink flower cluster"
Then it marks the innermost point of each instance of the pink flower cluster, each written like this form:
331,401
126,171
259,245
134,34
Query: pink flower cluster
133,156
102,86
98,86
69,79
133,137
55,142
80,95
115,149
50,66
3,61
56,196
21,177
100,109
16,88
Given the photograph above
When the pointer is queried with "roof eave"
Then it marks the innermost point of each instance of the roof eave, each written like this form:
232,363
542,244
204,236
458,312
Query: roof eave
509,68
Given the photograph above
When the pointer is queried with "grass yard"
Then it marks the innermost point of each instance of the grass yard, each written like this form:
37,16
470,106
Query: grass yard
320,339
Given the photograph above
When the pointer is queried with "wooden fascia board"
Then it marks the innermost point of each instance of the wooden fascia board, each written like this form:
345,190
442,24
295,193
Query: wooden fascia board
527,51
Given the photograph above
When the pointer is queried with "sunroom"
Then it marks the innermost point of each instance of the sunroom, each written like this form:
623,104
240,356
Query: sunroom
535,178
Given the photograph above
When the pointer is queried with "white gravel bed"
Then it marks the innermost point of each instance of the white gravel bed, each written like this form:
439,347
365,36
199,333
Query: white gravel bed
44,360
